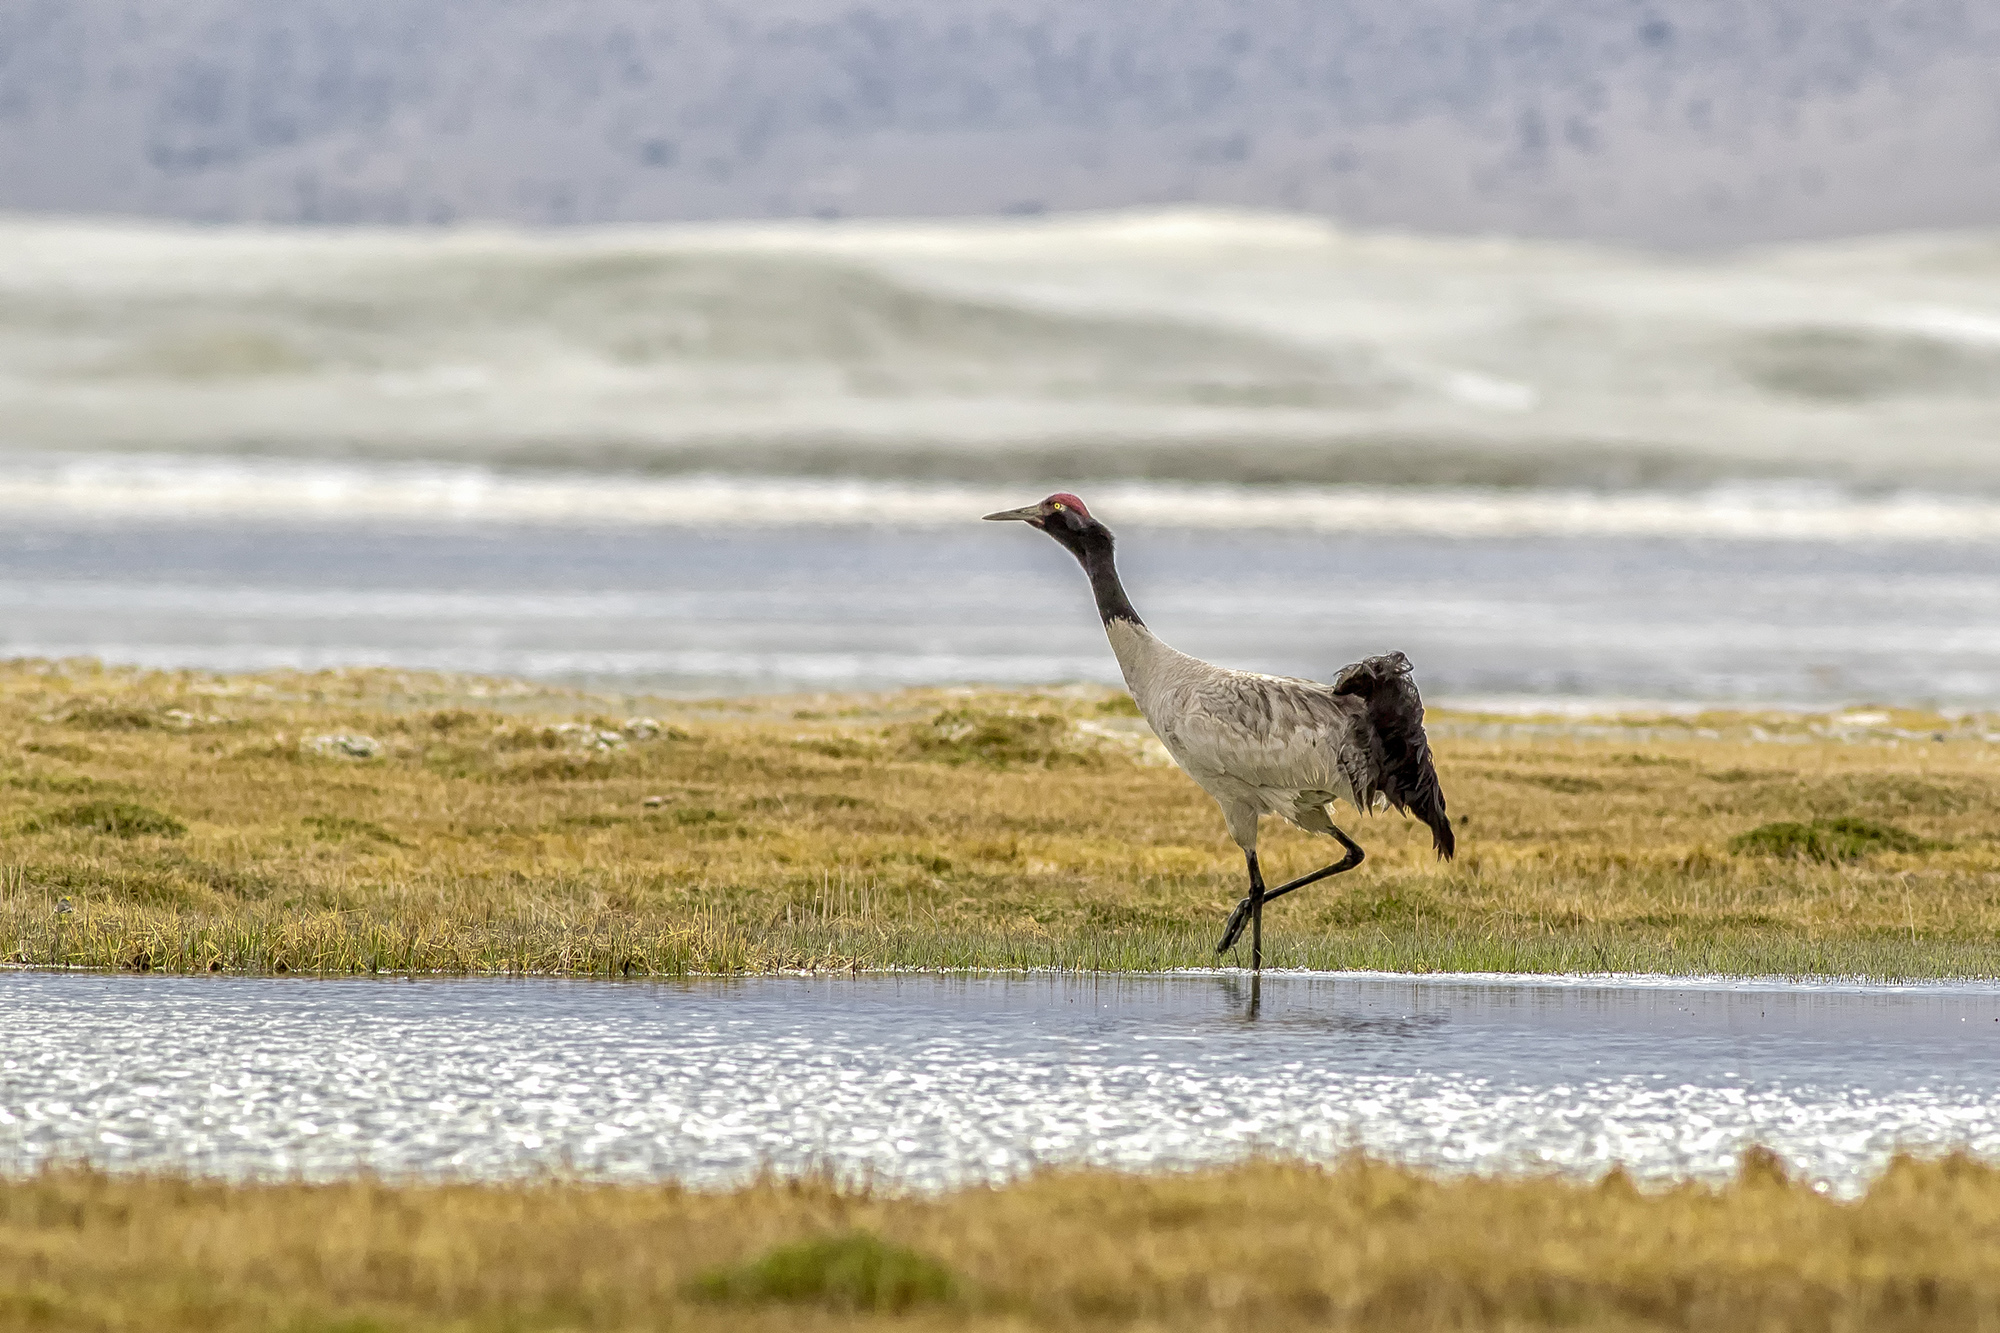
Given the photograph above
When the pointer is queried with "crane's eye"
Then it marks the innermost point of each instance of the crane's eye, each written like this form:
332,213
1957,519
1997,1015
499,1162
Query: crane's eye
1057,505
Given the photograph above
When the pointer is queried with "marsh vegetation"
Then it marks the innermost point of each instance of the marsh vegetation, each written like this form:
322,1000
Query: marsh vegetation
378,821
1359,1245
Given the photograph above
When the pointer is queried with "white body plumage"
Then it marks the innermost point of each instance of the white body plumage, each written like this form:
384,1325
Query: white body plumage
1260,745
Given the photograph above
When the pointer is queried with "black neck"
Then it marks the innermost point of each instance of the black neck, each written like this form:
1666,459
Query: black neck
1112,603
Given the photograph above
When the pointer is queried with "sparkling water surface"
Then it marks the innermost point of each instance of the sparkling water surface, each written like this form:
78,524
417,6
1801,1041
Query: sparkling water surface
930,1082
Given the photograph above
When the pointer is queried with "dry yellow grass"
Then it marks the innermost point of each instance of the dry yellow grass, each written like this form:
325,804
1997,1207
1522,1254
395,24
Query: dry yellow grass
1356,1246
195,822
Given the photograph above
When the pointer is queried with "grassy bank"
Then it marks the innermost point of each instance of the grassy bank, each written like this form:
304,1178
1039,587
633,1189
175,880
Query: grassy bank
1357,1246
382,821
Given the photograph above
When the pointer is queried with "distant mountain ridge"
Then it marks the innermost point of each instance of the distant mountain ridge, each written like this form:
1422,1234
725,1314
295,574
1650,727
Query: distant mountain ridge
1700,122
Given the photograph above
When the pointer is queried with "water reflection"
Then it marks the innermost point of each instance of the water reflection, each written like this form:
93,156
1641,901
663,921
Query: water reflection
1249,1005
934,1081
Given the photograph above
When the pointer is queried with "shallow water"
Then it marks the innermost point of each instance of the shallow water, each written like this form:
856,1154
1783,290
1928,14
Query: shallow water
730,609
934,1081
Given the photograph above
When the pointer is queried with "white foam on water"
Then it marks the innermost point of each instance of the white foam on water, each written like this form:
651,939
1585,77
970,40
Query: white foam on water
106,487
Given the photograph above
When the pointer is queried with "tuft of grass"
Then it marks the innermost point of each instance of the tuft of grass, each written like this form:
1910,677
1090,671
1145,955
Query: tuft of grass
68,750
695,815
1826,840
997,739
106,715
120,819
855,1271
339,828
56,784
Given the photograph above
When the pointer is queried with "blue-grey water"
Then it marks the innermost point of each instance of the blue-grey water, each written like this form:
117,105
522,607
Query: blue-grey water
928,1082
693,609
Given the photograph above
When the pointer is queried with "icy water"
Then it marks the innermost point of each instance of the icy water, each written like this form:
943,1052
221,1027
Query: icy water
929,1082
725,608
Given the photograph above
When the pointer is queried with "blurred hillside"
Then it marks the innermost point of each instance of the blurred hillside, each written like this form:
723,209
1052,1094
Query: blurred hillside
1684,122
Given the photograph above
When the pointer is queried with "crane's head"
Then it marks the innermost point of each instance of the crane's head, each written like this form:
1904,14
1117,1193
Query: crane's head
1063,517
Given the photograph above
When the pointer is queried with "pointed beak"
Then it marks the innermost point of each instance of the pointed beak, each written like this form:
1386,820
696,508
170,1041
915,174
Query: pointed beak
1025,514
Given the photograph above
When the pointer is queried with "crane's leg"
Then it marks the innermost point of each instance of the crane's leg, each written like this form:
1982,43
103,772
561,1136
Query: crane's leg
1256,929
1248,912
1354,857
1251,910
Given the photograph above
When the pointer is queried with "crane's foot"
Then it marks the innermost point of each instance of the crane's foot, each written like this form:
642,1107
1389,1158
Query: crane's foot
1238,919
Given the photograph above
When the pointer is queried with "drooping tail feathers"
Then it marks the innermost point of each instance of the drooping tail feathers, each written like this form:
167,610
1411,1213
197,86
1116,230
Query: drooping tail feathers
1400,750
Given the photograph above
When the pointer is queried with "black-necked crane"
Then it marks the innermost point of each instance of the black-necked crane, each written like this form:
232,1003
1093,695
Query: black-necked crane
1263,745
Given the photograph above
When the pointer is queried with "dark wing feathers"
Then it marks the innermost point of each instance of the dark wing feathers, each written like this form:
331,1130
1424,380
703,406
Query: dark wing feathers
1400,750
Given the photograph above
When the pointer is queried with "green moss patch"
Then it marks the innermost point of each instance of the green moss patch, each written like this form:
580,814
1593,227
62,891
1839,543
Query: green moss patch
120,819
1828,840
855,1271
